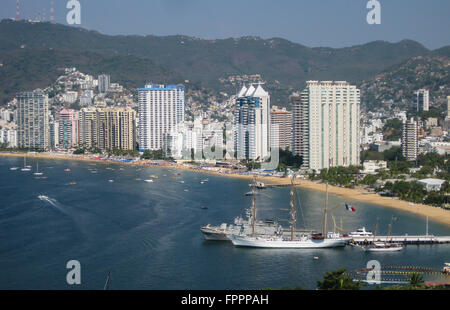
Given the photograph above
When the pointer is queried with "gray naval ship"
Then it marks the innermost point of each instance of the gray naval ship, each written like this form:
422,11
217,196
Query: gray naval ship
243,226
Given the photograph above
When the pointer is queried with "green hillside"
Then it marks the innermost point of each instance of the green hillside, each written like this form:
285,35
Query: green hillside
31,53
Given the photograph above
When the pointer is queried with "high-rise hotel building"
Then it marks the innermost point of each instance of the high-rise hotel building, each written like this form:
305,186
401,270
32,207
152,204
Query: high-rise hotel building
108,128
326,117
410,140
33,120
281,128
87,127
161,108
251,124
116,128
68,128
422,100
103,83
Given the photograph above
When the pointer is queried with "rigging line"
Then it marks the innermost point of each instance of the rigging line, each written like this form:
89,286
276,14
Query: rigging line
300,205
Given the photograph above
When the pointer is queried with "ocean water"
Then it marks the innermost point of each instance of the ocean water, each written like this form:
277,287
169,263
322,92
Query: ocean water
148,234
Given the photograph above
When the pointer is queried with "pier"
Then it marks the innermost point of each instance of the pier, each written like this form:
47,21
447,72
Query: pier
406,239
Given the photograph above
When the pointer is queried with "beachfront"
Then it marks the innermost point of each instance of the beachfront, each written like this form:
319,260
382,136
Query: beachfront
434,213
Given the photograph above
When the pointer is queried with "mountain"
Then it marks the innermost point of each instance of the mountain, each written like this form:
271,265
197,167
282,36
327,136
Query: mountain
398,83
131,60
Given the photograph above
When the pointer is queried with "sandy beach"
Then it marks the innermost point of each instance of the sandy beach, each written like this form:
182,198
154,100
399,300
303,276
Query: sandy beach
434,213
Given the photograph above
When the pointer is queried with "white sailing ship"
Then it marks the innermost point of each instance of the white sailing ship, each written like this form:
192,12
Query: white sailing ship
248,226
386,246
37,173
25,167
383,247
293,241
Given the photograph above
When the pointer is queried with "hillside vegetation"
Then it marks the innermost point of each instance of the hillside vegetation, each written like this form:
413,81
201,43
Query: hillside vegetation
31,53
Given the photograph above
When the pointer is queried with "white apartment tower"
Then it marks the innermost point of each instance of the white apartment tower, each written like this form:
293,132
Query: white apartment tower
448,106
251,124
103,83
410,144
161,108
33,120
422,100
326,118
281,128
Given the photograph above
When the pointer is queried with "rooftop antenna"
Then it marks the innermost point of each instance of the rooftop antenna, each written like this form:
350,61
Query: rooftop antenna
52,13
38,16
17,10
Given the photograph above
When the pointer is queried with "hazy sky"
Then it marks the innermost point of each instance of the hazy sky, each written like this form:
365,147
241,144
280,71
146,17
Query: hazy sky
333,23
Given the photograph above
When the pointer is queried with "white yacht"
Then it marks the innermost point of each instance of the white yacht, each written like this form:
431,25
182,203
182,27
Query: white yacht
361,232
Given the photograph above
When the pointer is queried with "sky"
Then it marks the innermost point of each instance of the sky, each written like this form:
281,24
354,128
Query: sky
331,23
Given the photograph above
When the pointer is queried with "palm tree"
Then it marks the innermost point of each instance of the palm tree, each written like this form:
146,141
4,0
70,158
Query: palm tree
416,279
338,280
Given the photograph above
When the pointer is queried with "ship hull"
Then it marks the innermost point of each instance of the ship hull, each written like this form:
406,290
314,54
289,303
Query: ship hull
278,244
210,234
383,249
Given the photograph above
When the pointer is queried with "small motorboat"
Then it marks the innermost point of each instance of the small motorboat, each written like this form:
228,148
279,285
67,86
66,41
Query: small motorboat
204,207
67,170
14,168
149,181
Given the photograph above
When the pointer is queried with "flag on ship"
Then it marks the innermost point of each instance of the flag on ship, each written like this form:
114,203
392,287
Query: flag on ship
350,208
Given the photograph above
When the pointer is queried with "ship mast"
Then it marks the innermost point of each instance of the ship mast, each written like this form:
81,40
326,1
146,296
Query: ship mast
389,230
324,226
254,206
292,209
375,232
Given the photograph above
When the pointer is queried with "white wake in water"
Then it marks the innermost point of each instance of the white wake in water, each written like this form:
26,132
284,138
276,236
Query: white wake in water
54,203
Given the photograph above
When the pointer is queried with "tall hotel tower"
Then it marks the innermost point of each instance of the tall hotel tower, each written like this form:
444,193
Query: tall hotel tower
33,120
108,128
326,119
251,123
422,100
161,108
410,141
68,128
103,83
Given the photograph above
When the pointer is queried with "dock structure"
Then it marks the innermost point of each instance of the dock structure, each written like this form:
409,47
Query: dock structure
406,239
